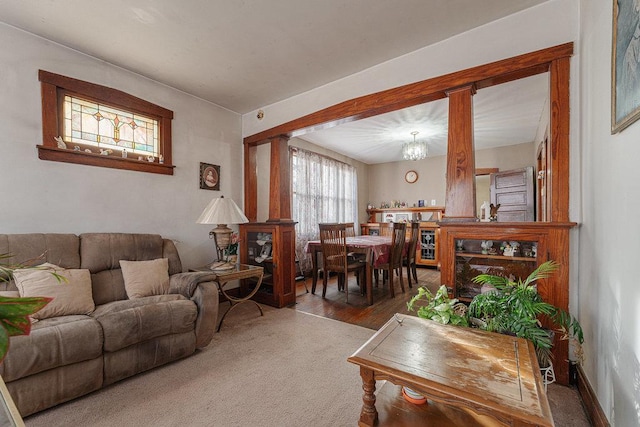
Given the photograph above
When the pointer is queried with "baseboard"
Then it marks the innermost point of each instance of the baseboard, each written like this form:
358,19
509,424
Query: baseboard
590,401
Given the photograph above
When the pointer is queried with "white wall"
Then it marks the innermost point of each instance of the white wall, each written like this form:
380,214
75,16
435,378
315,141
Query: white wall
386,180
46,196
609,241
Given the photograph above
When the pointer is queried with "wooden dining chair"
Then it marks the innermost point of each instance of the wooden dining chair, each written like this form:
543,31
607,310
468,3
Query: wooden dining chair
410,258
334,256
386,229
395,256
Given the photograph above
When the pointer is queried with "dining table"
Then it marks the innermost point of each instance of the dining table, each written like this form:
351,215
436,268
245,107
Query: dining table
375,248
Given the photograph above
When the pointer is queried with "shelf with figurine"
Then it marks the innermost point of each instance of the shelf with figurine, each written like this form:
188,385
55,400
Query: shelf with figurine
506,258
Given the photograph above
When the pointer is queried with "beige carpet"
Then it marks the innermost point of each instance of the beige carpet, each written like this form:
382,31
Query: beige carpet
287,368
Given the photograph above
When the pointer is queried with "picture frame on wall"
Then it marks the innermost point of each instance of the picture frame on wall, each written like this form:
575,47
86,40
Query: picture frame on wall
625,64
209,176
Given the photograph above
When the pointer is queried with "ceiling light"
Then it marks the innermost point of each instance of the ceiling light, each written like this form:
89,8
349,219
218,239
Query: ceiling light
414,150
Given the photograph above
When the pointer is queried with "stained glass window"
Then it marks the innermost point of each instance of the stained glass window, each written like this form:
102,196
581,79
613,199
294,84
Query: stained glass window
89,124
102,126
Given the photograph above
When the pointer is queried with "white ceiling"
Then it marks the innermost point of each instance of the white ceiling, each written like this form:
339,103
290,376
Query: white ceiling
246,54
506,114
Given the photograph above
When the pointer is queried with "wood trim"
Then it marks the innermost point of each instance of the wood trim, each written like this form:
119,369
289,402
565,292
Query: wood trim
280,181
109,95
558,144
486,171
92,159
460,199
418,93
251,182
590,401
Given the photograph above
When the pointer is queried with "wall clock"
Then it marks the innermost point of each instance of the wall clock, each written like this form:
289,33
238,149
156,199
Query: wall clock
411,176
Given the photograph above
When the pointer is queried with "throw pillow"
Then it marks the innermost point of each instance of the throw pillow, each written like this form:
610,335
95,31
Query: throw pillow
145,278
70,296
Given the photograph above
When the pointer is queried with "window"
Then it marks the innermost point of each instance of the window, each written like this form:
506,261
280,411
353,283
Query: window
324,190
101,126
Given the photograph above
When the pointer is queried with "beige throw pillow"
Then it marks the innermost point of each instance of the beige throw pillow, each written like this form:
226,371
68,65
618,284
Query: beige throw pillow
145,278
70,296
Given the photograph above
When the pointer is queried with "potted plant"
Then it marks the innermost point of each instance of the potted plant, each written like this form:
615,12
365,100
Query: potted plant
509,307
439,307
15,312
513,307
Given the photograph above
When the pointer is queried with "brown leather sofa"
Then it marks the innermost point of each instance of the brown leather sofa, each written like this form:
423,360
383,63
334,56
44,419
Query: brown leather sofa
68,356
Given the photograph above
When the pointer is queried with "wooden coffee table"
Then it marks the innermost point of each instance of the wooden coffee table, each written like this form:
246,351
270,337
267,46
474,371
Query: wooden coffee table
471,377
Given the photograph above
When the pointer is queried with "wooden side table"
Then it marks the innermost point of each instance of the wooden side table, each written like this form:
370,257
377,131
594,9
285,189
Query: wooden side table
238,272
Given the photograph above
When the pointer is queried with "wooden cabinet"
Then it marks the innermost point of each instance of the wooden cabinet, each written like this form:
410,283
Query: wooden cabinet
462,258
517,258
427,248
270,245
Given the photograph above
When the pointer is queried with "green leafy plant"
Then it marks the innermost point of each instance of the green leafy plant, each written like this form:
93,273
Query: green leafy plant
439,307
514,307
15,312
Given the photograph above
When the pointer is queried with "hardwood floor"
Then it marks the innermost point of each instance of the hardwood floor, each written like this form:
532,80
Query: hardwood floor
357,311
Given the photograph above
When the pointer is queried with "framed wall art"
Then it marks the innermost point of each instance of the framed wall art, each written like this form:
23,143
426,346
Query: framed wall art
209,177
625,64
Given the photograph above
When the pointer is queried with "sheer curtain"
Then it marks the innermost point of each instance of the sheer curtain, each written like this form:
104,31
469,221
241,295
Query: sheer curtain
324,190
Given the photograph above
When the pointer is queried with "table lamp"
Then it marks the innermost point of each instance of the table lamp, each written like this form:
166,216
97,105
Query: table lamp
222,211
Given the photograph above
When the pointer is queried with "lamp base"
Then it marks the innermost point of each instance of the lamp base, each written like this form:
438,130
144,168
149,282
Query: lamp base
222,237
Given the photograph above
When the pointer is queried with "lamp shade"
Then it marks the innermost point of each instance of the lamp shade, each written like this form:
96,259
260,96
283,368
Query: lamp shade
222,211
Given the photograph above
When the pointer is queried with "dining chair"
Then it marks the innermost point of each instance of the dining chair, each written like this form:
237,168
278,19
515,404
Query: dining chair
350,229
334,256
386,229
410,258
395,256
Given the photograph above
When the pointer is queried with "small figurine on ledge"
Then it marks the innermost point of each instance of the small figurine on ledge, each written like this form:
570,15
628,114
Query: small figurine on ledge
508,249
60,142
493,212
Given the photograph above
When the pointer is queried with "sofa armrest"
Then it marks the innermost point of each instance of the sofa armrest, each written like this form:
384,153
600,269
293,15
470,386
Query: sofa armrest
200,288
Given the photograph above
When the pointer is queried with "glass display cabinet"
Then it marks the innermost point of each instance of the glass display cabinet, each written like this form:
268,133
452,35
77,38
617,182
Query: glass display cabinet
270,245
508,258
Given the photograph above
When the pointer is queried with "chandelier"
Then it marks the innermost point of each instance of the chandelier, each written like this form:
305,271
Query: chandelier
414,150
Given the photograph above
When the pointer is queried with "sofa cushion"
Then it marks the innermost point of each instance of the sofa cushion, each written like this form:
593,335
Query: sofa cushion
101,254
145,278
71,295
128,322
52,343
36,248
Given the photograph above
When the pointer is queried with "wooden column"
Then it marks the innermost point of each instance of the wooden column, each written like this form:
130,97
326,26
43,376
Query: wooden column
251,182
558,145
460,198
280,181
